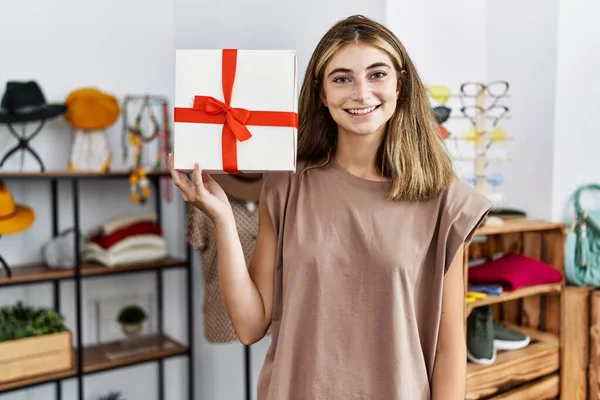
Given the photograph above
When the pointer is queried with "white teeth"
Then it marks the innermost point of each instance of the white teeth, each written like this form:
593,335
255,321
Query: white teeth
362,111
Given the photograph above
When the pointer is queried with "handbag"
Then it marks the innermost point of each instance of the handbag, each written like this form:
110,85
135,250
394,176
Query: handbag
582,252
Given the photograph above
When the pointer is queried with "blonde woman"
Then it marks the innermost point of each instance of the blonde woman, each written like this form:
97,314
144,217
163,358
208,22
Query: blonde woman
358,263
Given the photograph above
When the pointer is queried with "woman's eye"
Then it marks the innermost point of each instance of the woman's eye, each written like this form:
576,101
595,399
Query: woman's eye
378,75
341,79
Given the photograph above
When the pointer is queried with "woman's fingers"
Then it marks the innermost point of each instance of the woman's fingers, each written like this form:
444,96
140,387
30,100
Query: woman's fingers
181,180
199,188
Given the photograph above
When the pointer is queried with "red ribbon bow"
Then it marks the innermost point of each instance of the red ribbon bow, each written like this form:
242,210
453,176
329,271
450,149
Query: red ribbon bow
207,109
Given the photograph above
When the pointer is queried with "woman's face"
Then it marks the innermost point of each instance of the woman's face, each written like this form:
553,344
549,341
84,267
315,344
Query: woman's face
360,89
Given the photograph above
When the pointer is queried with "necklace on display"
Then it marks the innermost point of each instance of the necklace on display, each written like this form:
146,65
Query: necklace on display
138,180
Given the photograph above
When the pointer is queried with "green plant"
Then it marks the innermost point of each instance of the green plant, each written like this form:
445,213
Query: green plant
20,321
131,314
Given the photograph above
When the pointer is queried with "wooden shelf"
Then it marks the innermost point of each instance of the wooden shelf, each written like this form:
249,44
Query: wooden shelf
107,356
37,380
62,174
519,225
39,273
122,353
515,367
517,294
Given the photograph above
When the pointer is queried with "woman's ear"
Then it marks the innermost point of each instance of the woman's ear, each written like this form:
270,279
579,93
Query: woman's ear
323,100
322,95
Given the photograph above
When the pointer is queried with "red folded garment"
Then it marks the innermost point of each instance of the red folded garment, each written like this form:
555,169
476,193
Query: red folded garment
138,228
514,271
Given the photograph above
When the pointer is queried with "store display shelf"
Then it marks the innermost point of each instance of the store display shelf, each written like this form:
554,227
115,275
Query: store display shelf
518,225
98,358
41,273
514,295
541,389
61,174
107,356
513,368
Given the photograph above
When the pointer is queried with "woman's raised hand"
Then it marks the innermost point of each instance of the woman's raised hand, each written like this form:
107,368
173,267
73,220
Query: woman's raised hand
202,192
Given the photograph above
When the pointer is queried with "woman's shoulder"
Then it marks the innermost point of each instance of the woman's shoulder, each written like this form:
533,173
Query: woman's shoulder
282,181
459,195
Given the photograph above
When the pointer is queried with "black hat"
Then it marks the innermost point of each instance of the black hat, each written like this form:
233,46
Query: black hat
25,102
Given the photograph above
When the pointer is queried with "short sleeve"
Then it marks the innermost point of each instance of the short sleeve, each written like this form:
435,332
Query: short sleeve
463,212
275,191
197,229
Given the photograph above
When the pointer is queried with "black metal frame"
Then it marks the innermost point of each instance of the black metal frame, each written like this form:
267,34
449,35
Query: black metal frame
23,144
79,373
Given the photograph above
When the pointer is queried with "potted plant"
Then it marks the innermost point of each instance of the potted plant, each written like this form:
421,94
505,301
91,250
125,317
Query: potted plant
21,321
131,318
33,341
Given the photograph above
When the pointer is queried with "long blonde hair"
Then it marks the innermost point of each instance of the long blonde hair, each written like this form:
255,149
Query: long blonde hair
412,155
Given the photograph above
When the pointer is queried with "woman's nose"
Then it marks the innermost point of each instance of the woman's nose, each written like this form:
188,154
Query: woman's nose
361,90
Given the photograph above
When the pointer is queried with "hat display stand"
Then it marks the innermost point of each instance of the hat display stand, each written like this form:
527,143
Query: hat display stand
147,132
5,265
14,218
23,103
23,145
479,145
90,113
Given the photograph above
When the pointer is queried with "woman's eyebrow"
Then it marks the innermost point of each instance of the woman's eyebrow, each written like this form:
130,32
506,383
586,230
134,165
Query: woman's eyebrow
347,70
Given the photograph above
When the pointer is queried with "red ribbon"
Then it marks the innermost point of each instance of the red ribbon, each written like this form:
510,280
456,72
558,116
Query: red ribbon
208,110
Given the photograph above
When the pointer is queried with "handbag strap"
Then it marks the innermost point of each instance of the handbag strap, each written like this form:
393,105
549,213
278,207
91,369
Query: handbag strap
579,192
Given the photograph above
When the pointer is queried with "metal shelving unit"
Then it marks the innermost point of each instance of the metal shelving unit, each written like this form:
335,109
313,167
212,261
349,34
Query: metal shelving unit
92,359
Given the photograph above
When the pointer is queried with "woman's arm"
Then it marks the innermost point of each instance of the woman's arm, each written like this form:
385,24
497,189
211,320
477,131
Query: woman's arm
450,369
247,292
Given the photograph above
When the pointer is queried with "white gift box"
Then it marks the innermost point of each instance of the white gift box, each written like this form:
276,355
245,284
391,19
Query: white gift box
255,130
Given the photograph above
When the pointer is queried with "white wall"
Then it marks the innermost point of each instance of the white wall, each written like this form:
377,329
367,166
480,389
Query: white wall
577,143
523,52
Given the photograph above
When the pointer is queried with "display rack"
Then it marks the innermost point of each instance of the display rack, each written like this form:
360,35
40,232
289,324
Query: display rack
478,104
92,359
536,370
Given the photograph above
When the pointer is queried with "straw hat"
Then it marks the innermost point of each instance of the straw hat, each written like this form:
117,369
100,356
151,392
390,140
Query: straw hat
14,218
244,187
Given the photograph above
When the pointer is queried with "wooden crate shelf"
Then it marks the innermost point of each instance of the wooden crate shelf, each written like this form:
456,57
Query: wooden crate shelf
547,388
535,371
40,273
515,367
97,358
514,295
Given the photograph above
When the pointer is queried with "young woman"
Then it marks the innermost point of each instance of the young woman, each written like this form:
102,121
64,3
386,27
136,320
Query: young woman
358,262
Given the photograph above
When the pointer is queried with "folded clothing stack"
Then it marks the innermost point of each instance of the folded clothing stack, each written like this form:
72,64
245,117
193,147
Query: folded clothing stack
125,240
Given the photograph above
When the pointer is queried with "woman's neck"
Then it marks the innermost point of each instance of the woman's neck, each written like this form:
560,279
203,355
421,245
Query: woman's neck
358,154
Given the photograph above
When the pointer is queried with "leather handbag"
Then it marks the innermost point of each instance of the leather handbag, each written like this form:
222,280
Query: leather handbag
582,253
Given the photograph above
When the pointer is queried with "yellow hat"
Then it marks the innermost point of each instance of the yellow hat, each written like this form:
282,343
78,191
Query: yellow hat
14,218
89,109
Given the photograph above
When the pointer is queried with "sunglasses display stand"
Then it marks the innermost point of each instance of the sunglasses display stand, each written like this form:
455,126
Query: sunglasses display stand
478,106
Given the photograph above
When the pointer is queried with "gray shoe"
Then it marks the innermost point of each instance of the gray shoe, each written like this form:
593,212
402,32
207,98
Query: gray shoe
509,339
480,336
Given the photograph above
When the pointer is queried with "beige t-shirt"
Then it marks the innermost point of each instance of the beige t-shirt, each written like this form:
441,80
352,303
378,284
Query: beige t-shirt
358,285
